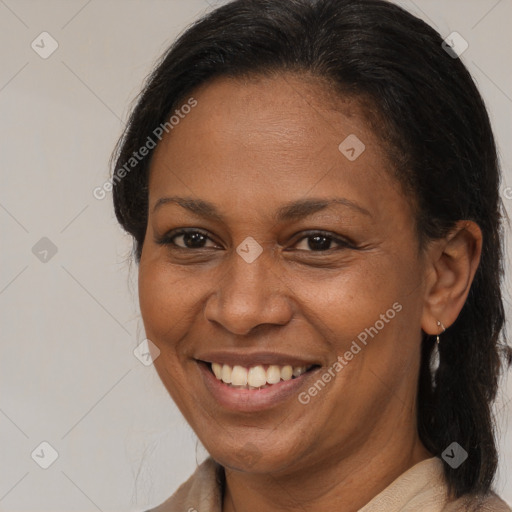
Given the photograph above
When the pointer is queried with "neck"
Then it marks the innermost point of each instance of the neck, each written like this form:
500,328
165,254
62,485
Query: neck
347,483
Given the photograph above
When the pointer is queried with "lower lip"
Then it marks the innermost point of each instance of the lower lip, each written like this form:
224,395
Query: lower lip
252,400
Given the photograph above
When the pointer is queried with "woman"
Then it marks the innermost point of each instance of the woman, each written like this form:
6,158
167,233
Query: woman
313,191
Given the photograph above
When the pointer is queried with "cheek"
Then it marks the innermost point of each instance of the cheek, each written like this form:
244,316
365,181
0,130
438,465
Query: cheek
351,299
167,304
339,304
369,316
166,300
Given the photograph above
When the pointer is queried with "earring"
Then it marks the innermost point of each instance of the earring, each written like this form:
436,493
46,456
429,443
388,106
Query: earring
440,324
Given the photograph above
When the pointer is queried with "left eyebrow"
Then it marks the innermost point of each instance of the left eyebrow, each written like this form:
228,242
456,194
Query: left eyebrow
290,211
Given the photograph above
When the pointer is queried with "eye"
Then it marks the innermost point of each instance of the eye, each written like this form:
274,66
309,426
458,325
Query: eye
318,241
315,241
189,239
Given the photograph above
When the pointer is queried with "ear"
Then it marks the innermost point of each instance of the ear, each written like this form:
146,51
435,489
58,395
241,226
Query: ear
452,262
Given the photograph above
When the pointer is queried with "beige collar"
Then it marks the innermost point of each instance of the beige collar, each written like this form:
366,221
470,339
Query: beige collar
420,489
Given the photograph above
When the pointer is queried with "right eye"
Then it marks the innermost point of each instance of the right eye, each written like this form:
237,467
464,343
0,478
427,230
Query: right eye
190,239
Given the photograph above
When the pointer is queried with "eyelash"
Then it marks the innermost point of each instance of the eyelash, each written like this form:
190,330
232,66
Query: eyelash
168,240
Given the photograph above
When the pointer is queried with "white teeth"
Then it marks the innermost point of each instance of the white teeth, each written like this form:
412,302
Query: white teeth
217,370
273,374
286,372
226,374
298,371
239,376
256,376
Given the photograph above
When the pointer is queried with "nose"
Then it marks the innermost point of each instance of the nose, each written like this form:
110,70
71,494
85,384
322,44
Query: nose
249,295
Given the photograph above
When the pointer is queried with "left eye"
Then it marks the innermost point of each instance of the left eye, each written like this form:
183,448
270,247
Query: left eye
319,242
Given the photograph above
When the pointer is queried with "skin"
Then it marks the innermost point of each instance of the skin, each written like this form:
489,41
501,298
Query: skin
249,147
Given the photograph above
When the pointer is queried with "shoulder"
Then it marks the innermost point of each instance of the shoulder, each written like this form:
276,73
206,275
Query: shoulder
488,503
202,491
422,488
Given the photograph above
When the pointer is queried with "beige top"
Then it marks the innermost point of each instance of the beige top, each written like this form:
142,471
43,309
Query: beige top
420,489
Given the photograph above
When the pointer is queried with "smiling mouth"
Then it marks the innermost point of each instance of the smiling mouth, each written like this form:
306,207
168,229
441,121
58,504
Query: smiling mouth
256,377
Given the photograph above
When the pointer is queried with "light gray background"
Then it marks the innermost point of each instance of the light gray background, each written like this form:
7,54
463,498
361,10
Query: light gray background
68,326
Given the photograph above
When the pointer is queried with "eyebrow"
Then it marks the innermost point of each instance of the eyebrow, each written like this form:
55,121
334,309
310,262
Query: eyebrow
291,211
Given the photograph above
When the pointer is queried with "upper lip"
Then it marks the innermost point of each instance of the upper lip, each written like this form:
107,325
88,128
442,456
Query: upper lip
248,359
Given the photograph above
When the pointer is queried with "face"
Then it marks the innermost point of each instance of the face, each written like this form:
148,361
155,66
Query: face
269,247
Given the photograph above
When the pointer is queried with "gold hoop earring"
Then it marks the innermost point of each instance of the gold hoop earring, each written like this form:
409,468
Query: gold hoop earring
440,324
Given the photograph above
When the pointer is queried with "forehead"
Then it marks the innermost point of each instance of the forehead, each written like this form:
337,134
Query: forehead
301,108
264,137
